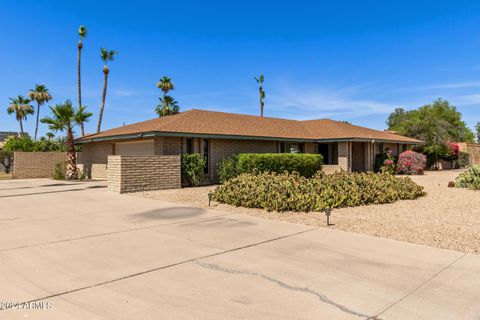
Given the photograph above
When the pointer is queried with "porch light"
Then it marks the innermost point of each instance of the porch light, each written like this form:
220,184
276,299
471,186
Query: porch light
328,212
209,197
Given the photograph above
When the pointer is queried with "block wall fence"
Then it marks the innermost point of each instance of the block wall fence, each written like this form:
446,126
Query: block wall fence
143,173
29,165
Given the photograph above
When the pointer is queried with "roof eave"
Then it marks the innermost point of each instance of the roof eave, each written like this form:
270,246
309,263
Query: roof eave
152,134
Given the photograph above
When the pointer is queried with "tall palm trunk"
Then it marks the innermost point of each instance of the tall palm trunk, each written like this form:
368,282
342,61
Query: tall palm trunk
261,100
36,125
104,94
21,125
72,172
80,46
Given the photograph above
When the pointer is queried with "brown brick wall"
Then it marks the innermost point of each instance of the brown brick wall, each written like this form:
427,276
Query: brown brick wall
138,173
94,158
36,164
172,145
473,149
223,148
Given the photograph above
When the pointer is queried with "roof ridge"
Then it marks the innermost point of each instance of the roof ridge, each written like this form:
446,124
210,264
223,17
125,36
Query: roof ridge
244,115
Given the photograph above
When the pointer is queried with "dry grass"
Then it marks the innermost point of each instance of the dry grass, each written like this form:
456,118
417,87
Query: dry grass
446,218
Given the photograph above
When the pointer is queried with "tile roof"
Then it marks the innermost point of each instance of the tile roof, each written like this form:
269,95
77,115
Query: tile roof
204,122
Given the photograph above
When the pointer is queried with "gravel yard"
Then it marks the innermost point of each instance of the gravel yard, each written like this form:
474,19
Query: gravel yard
446,218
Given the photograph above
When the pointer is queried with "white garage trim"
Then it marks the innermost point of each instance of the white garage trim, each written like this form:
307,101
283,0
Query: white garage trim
135,148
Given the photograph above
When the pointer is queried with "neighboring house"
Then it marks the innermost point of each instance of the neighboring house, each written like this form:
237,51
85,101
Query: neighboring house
4,136
218,135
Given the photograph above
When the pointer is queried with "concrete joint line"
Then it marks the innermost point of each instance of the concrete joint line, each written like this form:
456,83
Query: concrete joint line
421,284
111,233
167,266
284,285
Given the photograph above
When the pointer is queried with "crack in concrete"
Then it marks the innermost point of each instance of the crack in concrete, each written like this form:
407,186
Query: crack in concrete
179,263
287,286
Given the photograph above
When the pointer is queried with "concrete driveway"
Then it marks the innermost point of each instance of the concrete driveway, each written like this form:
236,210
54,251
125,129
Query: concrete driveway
78,251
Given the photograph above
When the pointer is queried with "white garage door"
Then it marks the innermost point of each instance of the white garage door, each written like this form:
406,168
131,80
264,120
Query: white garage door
136,148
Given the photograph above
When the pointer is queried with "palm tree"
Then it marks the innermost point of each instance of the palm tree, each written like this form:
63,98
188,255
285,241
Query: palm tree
83,116
82,33
41,95
65,118
22,108
262,93
106,56
50,135
165,84
168,106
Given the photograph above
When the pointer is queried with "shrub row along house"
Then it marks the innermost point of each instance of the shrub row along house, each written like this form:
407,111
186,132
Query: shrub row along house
218,135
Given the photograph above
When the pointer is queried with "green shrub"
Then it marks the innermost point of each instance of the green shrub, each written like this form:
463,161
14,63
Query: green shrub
227,169
385,163
192,168
292,192
463,160
60,170
26,144
469,179
303,163
15,143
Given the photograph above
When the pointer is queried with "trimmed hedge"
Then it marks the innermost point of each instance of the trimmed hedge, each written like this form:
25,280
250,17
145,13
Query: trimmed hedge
469,179
292,192
192,169
303,163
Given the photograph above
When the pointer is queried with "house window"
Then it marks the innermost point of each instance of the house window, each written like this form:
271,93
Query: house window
205,155
379,148
189,145
324,150
291,147
404,147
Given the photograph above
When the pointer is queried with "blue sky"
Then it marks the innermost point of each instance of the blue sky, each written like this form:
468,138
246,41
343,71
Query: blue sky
346,60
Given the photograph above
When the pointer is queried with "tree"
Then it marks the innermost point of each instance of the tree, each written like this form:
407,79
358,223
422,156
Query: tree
397,118
22,108
165,84
6,160
50,135
64,119
436,124
83,116
261,92
477,128
40,95
82,33
106,56
168,106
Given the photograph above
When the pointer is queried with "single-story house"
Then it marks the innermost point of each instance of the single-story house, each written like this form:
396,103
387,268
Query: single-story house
218,135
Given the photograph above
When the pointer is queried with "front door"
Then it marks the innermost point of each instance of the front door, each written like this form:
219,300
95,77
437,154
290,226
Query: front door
358,156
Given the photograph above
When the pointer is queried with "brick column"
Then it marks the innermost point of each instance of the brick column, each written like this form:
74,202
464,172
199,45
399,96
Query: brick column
345,156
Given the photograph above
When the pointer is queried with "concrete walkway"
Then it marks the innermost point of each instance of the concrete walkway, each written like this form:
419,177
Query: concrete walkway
77,251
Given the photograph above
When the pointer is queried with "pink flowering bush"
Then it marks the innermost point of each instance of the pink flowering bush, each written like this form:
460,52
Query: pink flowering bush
388,165
411,162
453,150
